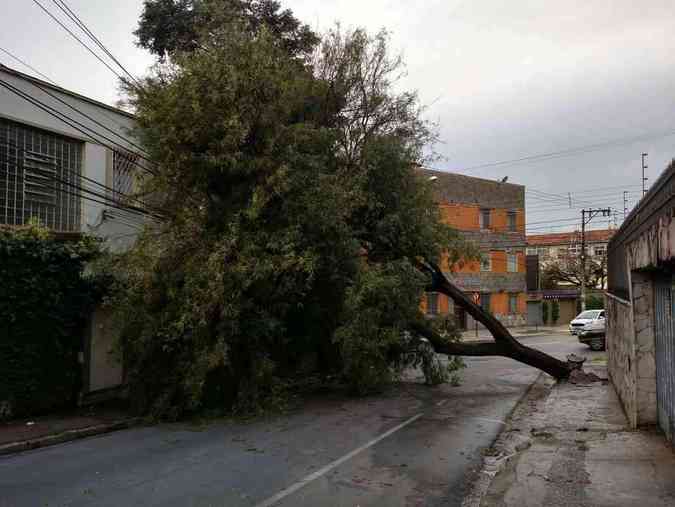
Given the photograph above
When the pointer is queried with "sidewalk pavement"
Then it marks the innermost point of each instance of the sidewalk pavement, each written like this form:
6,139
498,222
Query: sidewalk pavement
22,435
517,332
570,445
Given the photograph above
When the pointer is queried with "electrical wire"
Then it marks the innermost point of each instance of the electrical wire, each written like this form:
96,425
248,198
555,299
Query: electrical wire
103,126
574,151
10,144
27,65
61,4
71,122
57,20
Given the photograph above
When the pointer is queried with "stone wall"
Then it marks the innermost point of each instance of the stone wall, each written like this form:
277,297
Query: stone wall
621,353
631,360
644,345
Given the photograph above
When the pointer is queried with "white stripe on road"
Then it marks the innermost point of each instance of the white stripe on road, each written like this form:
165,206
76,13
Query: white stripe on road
490,420
323,471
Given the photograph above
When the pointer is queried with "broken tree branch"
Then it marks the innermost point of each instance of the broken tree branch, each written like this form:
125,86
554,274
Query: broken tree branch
504,343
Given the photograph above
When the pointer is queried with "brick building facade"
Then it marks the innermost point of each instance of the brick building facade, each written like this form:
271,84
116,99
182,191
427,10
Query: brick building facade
491,215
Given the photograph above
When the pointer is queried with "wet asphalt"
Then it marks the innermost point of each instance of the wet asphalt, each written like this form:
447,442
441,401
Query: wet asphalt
412,446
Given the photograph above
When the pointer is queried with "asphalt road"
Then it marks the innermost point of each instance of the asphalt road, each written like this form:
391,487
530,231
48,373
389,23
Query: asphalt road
413,446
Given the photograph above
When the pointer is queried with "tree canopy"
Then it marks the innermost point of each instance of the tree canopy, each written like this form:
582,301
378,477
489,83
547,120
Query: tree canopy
170,26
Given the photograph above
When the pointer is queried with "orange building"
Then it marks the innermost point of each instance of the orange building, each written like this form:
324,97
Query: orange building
491,214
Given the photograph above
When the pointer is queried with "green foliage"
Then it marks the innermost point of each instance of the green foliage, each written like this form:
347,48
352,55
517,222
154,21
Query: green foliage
296,217
44,301
595,302
170,26
545,312
555,311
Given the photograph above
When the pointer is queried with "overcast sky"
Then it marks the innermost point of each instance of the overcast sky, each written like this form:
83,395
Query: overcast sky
504,79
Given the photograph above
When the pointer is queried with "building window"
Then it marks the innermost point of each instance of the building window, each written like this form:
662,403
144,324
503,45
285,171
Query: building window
484,218
485,262
512,263
575,249
485,301
600,251
511,221
532,251
40,178
123,164
432,303
513,303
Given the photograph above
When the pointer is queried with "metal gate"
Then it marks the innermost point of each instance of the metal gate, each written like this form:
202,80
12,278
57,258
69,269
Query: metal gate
665,355
534,317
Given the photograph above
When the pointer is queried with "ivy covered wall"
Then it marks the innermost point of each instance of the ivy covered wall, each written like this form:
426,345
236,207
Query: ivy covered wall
45,300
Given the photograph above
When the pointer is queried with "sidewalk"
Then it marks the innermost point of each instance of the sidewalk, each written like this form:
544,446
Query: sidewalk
22,435
570,445
517,332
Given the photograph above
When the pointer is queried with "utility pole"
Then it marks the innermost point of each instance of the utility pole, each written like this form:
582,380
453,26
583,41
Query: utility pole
625,204
590,213
644,180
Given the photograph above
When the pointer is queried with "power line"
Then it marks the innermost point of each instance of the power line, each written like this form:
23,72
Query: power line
61,4
72,123
574,151
70,106
105,200
144,207
27,65
84,45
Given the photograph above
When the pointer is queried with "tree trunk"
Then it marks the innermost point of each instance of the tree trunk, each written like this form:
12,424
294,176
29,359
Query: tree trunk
503,345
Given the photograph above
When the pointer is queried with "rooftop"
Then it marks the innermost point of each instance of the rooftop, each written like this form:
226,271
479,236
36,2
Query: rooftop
46,84
460,188
565,238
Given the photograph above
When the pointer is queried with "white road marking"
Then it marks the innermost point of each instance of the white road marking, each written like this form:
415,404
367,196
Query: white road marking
441,403
323,471
490,420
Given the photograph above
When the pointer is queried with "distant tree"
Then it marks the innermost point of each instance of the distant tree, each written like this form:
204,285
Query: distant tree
595,302
568,271
544,312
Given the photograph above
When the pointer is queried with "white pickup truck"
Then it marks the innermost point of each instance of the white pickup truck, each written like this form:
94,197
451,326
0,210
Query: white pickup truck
589,326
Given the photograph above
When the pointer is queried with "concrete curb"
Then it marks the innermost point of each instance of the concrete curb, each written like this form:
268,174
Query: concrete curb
505,445
67,436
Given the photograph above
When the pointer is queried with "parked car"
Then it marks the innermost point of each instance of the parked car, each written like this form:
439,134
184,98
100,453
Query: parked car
589,326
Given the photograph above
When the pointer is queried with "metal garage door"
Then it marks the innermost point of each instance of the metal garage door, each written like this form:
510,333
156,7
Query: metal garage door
534,313
665,355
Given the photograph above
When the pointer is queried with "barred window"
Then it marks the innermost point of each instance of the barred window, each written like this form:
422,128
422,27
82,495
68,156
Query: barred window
39,177
123,165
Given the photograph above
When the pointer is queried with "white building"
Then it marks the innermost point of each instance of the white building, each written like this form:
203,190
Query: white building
66,160
71,163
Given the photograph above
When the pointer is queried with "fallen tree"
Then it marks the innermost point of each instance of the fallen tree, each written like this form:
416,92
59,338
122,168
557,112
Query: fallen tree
504,343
